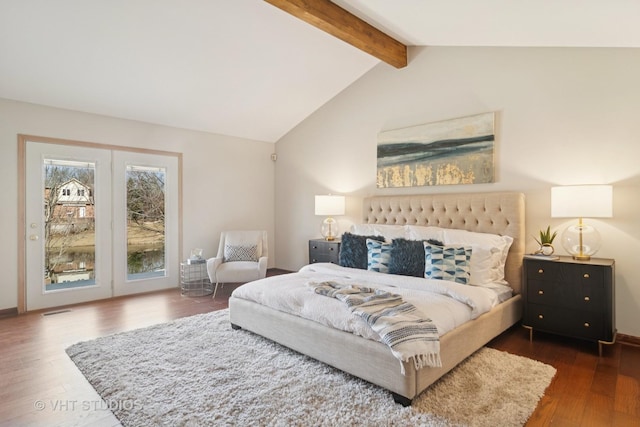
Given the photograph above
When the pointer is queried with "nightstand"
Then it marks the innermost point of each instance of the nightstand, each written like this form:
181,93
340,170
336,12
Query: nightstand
194,280
570,298
321,250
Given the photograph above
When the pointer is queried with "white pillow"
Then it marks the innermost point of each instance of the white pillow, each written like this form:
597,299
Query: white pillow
389,232
425,232
488,256
485,266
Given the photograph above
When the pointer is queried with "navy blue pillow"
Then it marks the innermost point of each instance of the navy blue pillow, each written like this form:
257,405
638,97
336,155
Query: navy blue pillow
353,251
407,257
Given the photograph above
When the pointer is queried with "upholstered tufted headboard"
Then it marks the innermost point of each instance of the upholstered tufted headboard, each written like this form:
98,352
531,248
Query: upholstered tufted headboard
497,213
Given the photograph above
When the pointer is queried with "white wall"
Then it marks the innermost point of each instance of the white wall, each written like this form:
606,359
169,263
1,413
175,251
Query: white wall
564,116
227,182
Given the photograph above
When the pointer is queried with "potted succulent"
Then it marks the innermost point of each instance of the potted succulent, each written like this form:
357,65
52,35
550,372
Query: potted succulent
546,241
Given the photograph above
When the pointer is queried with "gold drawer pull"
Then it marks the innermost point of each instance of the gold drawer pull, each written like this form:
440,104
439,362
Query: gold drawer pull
541,292
585,275
541,271
586,324
540,316
587,299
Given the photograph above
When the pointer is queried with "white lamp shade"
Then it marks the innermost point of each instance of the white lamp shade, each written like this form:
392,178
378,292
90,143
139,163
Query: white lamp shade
329,205
582,201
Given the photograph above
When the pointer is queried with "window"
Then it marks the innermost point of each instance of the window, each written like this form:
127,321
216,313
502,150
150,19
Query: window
145,221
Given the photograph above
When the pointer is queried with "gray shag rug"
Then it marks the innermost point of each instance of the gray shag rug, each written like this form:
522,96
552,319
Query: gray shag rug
197,371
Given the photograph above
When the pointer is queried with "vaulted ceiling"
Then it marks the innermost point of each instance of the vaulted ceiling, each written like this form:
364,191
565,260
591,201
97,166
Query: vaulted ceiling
246,68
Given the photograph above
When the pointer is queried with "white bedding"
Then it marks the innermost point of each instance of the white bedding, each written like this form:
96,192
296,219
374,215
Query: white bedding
447,304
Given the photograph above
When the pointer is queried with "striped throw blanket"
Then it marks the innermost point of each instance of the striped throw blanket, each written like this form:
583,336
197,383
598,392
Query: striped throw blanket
411,336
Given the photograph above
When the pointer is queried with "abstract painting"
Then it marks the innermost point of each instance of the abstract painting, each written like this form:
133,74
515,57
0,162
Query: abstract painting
456,151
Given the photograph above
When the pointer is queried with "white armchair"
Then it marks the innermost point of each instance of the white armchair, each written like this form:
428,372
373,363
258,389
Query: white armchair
242,257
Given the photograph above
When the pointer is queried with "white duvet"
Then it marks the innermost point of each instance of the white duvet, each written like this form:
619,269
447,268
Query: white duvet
447,304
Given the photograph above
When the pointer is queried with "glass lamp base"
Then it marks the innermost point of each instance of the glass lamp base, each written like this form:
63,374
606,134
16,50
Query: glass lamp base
329,229
581,241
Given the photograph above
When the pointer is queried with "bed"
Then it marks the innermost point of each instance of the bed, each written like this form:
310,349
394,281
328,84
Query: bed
496,213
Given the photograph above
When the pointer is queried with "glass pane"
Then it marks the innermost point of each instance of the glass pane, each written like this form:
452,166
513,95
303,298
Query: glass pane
69,214
145,222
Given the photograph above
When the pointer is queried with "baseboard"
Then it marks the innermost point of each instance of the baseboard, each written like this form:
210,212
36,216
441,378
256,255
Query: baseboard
628,339
8,312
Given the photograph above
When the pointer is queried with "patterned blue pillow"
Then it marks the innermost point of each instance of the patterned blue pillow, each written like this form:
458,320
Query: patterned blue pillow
378,256
447,263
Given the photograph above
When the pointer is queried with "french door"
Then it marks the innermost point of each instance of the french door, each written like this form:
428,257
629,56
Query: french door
99,223
145,222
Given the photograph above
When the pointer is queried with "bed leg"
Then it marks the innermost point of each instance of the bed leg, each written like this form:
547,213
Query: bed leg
235,327
404,401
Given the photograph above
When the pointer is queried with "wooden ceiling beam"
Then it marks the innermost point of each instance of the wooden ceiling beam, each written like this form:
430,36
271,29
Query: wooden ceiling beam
336,21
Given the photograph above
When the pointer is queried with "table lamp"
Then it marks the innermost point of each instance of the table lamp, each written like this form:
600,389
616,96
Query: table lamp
581,201
328,206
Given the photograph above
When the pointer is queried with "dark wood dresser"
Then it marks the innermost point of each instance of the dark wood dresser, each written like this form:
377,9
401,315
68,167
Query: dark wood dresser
321,250
570,298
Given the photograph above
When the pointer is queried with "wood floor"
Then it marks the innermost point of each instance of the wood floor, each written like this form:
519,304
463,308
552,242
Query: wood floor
40,386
